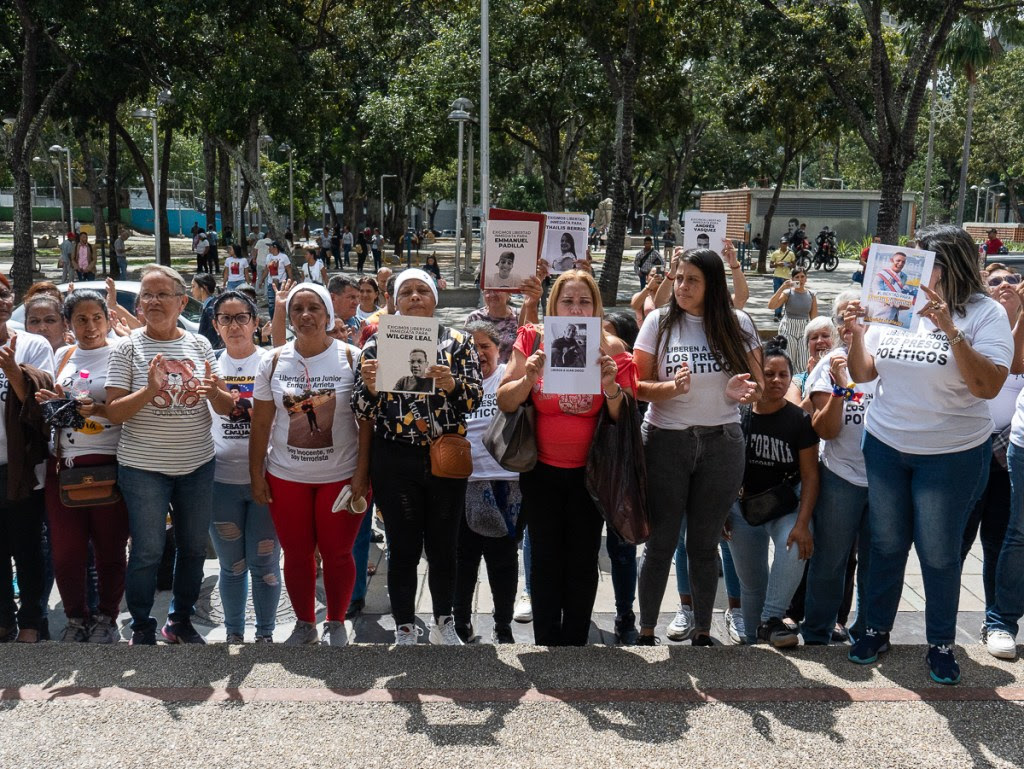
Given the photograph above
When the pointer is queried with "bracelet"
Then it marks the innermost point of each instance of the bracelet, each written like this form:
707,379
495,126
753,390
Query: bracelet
617,393
848,393
957,339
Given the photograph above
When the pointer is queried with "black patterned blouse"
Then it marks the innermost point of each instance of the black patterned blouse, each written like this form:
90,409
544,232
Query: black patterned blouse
408,418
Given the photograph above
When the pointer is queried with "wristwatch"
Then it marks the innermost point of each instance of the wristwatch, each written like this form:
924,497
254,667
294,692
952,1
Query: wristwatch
957,339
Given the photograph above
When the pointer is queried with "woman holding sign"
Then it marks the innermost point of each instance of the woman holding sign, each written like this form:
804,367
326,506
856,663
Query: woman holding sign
309,381
565,525
698,359
927,440
421,510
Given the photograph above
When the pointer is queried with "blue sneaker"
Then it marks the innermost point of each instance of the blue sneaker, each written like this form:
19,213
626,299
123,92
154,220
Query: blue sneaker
943,665
867,648
181,633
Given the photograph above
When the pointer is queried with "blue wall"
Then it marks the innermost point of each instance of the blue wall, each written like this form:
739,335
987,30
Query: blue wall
142,220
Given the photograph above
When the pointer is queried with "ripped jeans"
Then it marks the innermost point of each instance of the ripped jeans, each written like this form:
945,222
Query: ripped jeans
244,537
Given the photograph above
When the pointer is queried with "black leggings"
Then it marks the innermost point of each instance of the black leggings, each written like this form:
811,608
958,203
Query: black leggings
21,538
420,512
501,554
565,538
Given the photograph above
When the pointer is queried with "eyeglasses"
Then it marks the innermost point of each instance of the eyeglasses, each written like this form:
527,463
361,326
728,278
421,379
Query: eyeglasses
998,280
161,297
241,318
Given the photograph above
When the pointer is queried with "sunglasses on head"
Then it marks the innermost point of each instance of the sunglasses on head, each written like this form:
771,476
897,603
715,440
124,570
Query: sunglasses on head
998,280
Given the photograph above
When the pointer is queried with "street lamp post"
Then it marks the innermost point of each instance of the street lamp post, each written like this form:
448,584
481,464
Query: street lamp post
995,206
285,147
260,141
459,114
151,114
71,198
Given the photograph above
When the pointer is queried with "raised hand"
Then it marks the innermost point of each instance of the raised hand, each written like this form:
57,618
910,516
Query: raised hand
609,370
682,379
111,294
442,376
741,388
209,384
368,371
837,368
535,366
157,374
7,361
937,311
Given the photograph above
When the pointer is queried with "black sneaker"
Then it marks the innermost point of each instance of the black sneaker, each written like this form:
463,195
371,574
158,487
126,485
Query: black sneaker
777,633
625,629
866,649
702,640
648,640
181,633
355,608
944,669
465,632
145,637
502,634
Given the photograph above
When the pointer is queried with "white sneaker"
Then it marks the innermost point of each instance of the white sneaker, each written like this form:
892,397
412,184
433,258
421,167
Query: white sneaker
335,634
303,634
442,632
681,627
734,626
1001,644
408,635
524,609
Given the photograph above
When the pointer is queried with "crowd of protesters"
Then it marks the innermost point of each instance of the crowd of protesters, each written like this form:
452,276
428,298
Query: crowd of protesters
803,466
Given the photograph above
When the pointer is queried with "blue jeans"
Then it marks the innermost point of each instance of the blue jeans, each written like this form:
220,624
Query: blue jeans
840,519
270,299
732,582
776,284
765,592
122,267
244,537
925,500
623,558
989,519
1009,578
361,556
148,496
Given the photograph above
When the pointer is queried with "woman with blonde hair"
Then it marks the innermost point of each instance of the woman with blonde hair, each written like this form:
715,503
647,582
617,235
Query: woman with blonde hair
565,525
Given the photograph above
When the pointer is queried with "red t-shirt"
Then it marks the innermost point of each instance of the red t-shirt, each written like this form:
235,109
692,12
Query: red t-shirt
992,246
566,423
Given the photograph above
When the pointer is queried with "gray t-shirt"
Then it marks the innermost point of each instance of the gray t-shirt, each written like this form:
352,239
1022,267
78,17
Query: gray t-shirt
119,246
170,434
798,306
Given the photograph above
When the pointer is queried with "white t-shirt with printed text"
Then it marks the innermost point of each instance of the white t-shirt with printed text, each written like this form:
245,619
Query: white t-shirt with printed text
922,404
33,350
236,267
485,467
706,404
98,436
231,432
276,265
314,438
842,454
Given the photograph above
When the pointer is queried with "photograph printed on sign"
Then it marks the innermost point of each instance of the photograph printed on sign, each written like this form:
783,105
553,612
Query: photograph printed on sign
565,241
406,348
510,253
704,230
573,345
891,294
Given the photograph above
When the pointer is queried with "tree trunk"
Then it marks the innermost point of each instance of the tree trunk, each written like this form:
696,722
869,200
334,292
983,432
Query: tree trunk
21,271
258,188
965,158
766,233
165,159
92,187
893,181
1011,197
224,187
113,201
210,174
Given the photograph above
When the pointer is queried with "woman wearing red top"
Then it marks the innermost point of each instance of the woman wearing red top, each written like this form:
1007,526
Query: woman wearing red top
565,526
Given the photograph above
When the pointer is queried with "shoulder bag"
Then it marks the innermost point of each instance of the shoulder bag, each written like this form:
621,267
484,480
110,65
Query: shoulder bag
781,499
510,437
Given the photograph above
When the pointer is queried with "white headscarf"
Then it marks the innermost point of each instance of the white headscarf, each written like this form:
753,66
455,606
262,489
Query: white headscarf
320,291
415,273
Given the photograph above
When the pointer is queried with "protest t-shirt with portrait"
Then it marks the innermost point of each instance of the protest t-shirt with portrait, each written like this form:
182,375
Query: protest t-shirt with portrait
276,266
314,436
231,431
706,404
485,467
98,435
842,455
922,404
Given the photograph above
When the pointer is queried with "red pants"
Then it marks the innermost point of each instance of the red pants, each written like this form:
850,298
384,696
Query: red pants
304,521
71,530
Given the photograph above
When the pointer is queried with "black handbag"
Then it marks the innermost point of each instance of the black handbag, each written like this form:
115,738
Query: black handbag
781,499
616,473
510,437
88,486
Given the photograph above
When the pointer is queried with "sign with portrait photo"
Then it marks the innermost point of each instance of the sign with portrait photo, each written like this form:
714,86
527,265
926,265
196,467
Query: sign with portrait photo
573,345
891,294
702,229
406,348
565,240
511,248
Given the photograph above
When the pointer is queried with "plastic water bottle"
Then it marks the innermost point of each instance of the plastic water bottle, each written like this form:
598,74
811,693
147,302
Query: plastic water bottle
80,389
